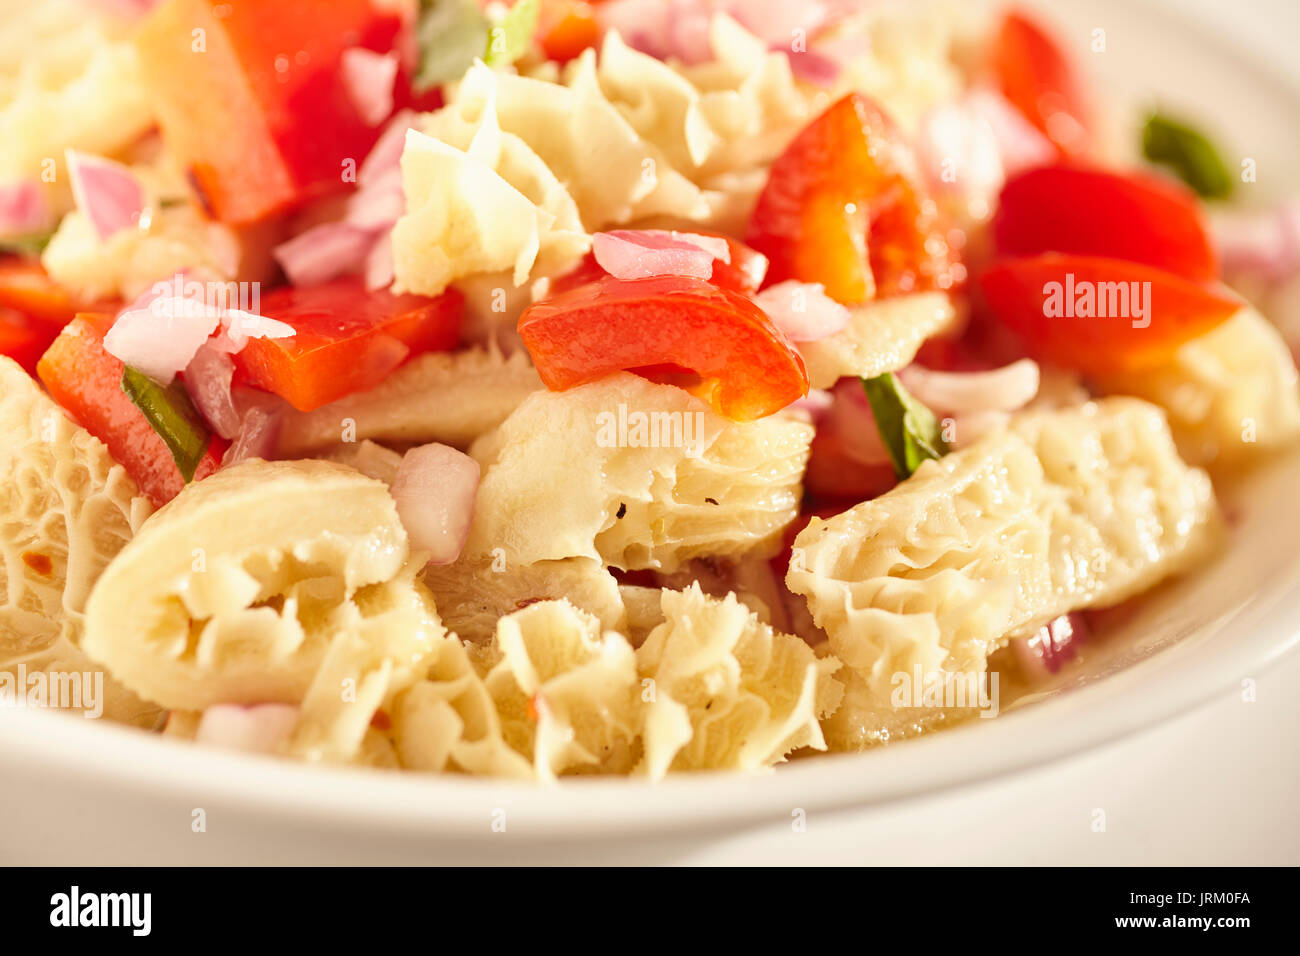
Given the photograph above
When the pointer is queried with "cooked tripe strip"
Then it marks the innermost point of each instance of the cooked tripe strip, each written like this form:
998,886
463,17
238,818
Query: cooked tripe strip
726,691
881,337
386,638
567,694
447,397
232,592
635,474
68,79
554,693
66,508
1230,393
1066,510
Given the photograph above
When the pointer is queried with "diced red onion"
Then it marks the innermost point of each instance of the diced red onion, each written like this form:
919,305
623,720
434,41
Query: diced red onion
240,326
811,66
131,9
378,204
1051,647
386,154
23,209
208,379
776,22
259,427
324,252
379,264
105,192
813,405
1020,144
968,427
261,728
802,310
162,338
851,421
1003,389
368,78
640,254
1265,243
435,490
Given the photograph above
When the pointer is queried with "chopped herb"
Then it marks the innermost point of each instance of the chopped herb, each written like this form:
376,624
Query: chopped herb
32,245
622,510
172,415
450,34
1188,153
509,38
909,430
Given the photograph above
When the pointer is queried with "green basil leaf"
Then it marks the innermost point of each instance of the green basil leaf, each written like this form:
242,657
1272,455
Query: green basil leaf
450,34
508,40
172,415
909,430
1188,153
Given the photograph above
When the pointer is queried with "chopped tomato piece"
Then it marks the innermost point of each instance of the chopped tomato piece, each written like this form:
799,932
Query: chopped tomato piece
87,382
1100,315
566,28
26,287
842,207
688,331
1090,212
743,274
349,339
1036,76
251,97
22,339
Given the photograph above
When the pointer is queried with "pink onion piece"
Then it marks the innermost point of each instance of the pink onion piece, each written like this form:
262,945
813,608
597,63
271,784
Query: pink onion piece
1003,389
379,264
851,422
1020,145
324,252
261,728
1266,244
368,78
127,9
208,379
1047,651
240,326
811,66
378,204
778,22
640,254
435,491
802,310
386,154
105,192
259,427
162,338
24,210
812,406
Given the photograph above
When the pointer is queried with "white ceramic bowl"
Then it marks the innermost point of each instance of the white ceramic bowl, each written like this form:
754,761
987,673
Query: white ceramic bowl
73,790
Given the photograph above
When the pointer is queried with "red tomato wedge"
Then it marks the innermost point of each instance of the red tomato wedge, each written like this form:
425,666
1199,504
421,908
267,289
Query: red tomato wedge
1036,76
715,339
1090,212
842,207
565,28
87,382
23,339
743,274
251,98
348,339
1100,315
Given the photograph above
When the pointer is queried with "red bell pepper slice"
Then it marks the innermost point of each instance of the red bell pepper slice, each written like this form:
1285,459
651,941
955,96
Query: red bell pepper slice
348,339
1036,76
841,207
87,382
743,274
565,28
1091,212
261,116
1045,300
686,330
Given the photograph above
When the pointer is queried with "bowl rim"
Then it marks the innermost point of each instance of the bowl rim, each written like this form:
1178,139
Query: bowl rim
1172,681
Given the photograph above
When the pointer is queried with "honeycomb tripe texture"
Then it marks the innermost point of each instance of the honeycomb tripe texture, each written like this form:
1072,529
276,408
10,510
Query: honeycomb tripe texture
66,508
1065,510
636,475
